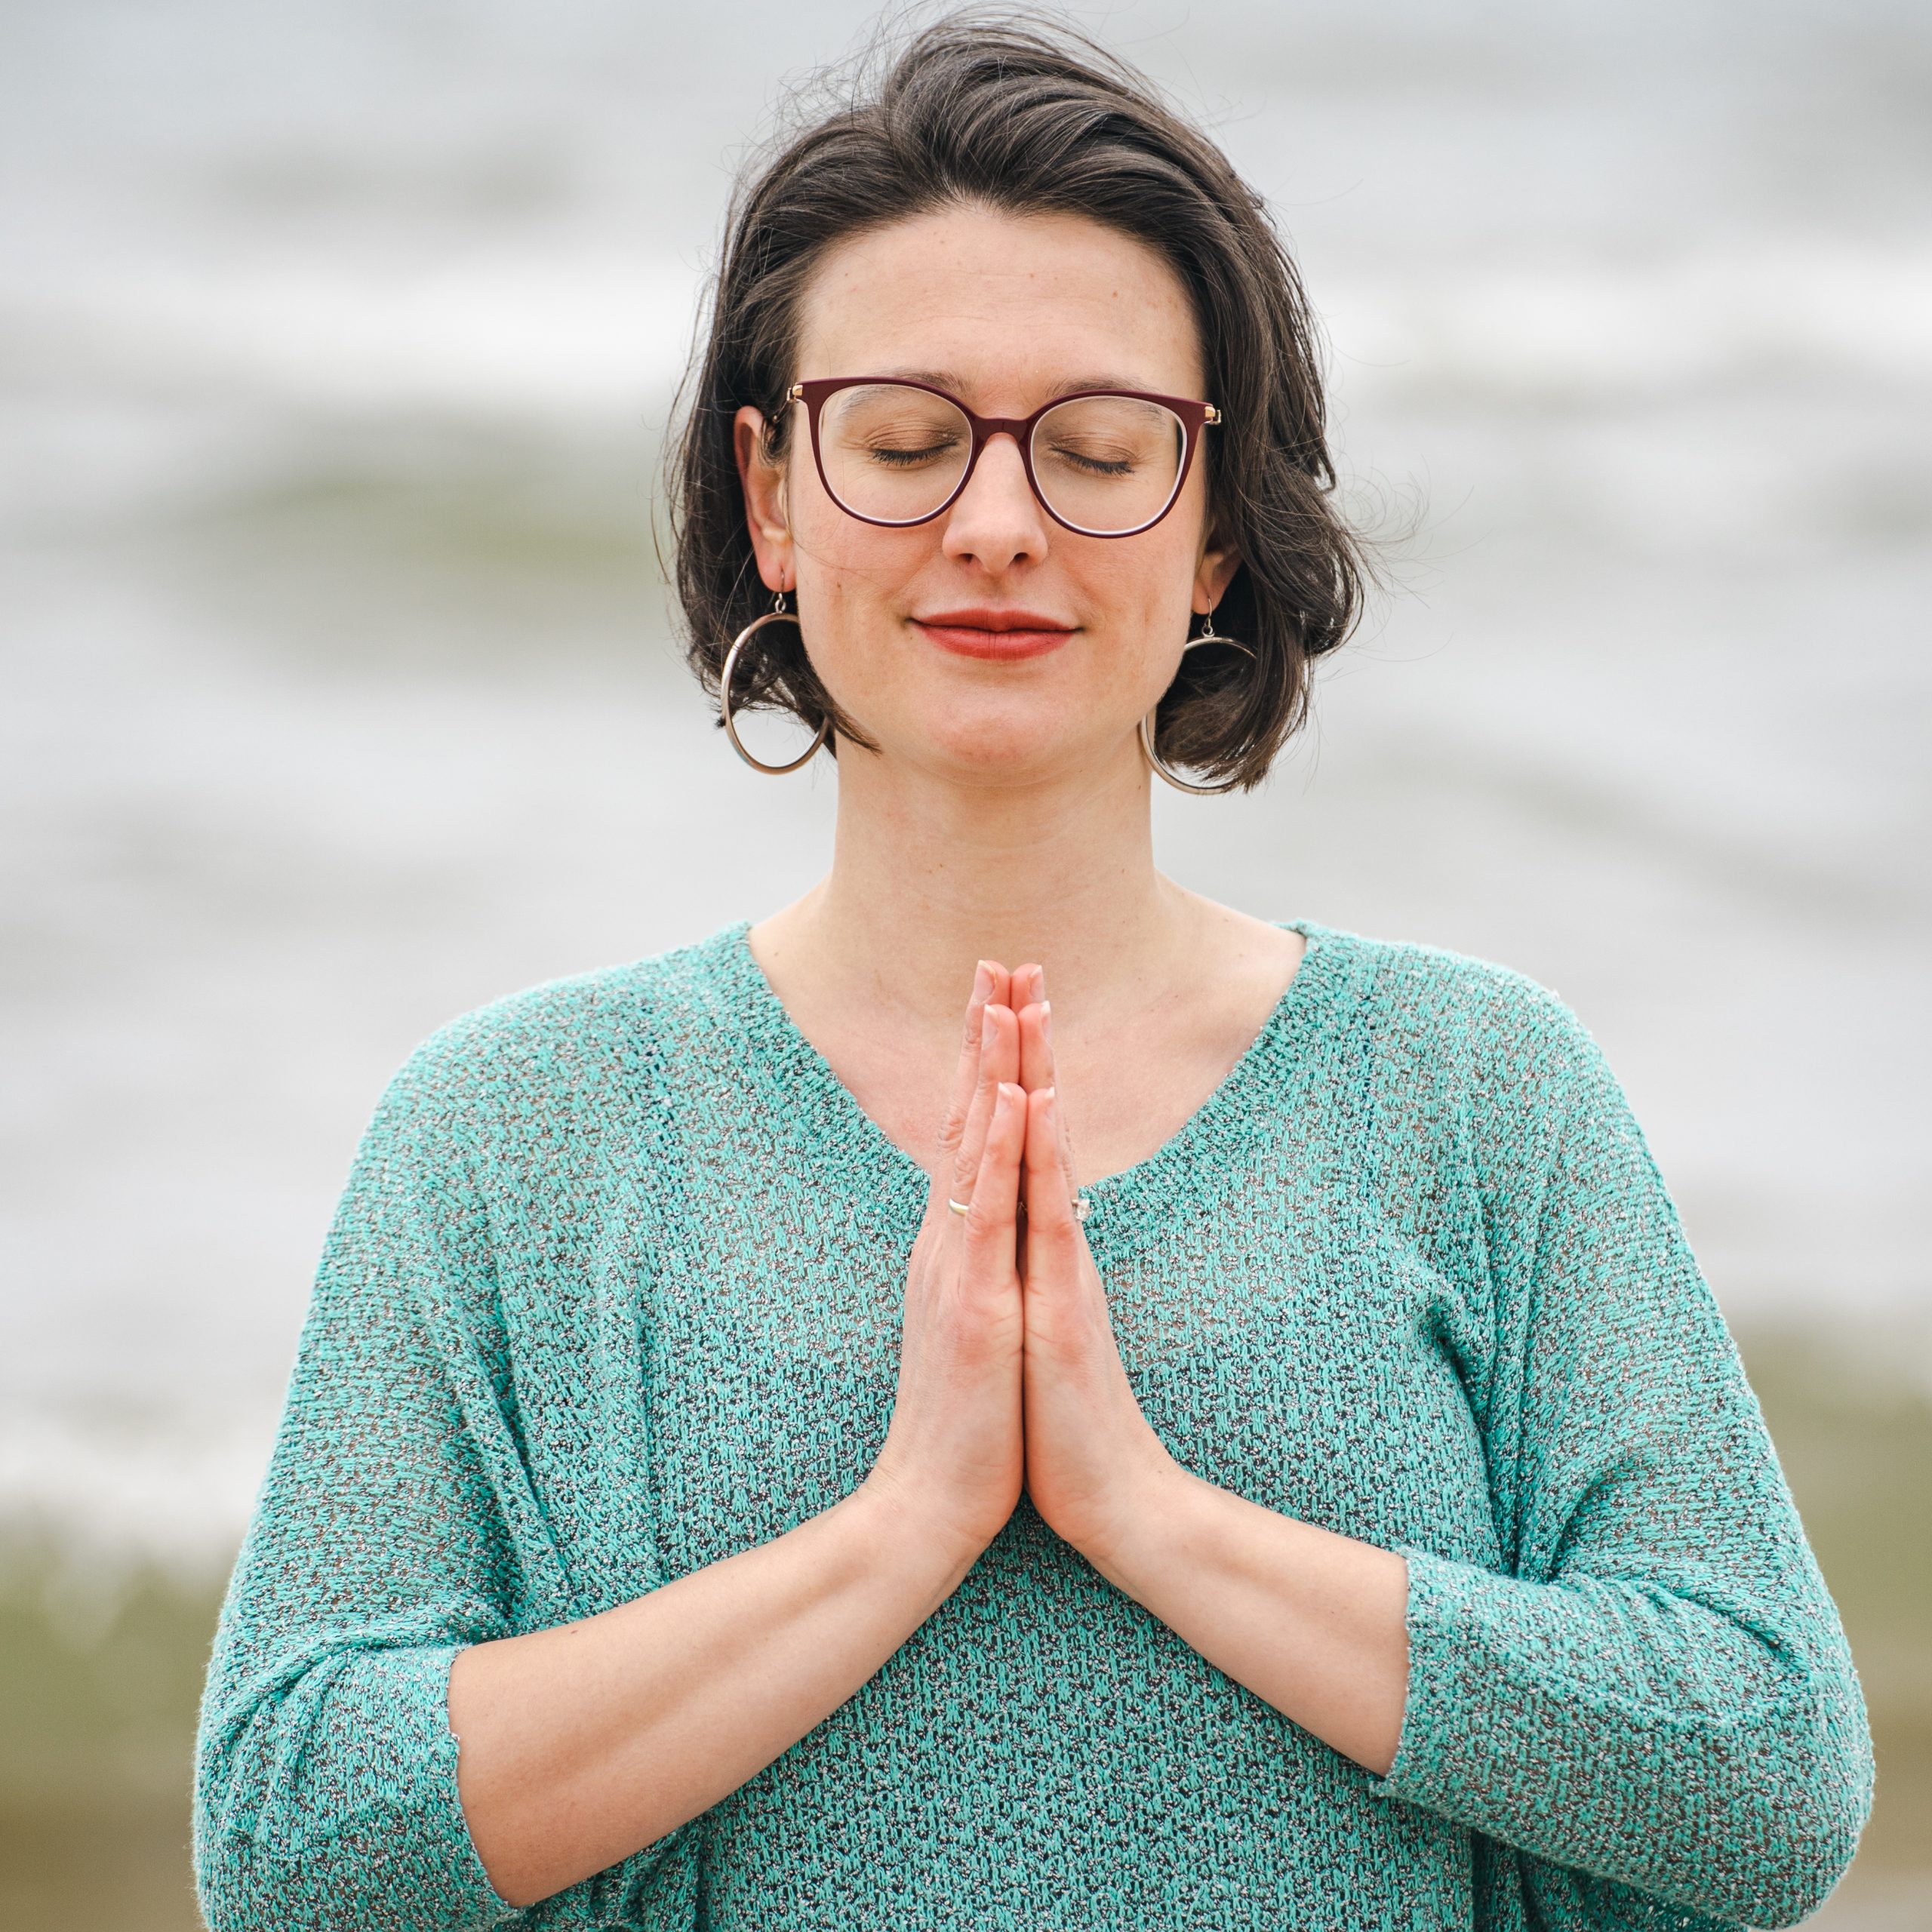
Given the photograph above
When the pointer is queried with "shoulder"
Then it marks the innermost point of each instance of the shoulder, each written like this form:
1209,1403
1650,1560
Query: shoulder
1483,1098
563,1047
1476,1034
1445,998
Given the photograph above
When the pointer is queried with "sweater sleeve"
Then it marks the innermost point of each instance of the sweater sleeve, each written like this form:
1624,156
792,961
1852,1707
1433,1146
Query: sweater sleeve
1657,1704
325,1777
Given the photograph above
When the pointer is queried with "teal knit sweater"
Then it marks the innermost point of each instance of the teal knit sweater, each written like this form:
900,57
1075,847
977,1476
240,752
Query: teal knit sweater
615,1290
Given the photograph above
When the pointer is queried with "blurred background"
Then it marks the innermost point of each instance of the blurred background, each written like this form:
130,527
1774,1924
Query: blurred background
336,346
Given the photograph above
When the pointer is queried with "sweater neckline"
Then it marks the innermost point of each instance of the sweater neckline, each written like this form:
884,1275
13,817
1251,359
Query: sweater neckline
843,1139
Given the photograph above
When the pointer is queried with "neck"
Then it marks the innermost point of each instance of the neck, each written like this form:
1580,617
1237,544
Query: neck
929,876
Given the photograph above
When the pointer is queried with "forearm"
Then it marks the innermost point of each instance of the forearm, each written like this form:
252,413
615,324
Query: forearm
1312,1622
582,1743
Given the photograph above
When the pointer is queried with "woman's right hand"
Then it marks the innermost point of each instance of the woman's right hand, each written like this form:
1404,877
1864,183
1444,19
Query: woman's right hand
954,1459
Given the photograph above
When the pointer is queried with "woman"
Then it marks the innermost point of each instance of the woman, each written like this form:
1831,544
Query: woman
1236,1438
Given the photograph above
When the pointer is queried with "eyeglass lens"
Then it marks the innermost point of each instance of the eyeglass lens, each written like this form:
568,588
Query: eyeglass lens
1105,464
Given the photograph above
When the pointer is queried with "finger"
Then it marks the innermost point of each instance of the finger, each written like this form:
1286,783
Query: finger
988,983
999,1057
991,984
990,1225
1036,1055
1038,1070
1029,994
1063,1134
1050,1224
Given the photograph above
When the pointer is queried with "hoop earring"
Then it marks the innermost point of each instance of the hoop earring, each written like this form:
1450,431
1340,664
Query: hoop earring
777,614
1208,635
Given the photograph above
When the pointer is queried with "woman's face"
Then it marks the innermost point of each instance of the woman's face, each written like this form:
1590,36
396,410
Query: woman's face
990,644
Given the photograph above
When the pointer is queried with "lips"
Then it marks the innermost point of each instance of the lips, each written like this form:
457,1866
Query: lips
1004,634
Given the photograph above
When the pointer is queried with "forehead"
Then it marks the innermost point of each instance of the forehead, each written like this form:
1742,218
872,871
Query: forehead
1014,307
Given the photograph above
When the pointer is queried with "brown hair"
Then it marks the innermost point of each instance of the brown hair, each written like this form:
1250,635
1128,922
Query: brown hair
1004,111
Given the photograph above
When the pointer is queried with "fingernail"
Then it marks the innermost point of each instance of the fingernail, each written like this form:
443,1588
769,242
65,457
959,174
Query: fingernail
1047,1018
986,1026
1052,1108
982,982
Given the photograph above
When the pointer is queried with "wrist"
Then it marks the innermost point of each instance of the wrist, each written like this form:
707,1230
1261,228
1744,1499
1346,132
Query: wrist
903,1533
1139,1533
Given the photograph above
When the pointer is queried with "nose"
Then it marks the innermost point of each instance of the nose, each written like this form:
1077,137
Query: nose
997,521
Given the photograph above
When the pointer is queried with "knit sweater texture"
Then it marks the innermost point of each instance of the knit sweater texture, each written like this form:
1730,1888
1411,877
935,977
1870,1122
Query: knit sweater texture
615,1291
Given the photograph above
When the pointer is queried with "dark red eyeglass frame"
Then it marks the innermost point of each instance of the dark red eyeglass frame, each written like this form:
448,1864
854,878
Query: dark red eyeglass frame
1193,417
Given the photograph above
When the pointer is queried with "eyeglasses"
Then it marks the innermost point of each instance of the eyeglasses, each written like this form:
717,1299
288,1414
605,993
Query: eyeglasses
1102,463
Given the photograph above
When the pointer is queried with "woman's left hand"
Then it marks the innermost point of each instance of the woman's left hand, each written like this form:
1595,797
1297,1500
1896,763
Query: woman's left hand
1092,1460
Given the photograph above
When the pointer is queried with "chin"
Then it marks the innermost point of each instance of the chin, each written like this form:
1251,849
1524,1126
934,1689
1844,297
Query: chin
988,750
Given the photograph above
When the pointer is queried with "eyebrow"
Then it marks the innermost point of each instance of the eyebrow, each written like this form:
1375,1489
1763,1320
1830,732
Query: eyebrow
952,382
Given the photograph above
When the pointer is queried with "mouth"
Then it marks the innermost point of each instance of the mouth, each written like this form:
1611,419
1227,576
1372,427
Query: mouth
1002,635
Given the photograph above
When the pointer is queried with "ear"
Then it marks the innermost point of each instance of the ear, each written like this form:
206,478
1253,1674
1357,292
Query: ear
1219,561
763,483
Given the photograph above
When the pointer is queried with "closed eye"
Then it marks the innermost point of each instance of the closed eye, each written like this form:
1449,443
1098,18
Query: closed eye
904,458
1093,462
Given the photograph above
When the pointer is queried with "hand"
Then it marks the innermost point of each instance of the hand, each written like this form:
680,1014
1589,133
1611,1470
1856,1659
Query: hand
1091,1457
953,1459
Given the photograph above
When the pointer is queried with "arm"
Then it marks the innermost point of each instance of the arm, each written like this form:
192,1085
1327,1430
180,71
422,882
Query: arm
396,1547
1309,1620
583,1742
1659,1703
389,1533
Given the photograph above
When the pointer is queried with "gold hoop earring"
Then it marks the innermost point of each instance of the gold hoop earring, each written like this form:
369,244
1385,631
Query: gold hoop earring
777,614
1209,635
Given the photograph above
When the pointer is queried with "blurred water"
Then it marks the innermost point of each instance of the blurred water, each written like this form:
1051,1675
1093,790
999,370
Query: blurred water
335,348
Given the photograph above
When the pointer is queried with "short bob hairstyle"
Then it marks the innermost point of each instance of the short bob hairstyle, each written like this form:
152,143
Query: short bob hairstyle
1000,111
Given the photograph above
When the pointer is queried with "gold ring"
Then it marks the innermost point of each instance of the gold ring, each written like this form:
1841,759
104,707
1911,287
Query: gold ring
959,1207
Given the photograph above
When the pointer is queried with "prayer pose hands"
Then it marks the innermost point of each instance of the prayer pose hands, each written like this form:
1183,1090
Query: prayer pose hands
1008,1368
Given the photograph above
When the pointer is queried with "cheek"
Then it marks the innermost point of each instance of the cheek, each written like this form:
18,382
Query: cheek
1143,593
839,554
860,577
854,581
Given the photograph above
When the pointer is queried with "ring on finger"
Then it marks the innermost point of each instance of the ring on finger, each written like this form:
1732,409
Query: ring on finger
1080,1204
